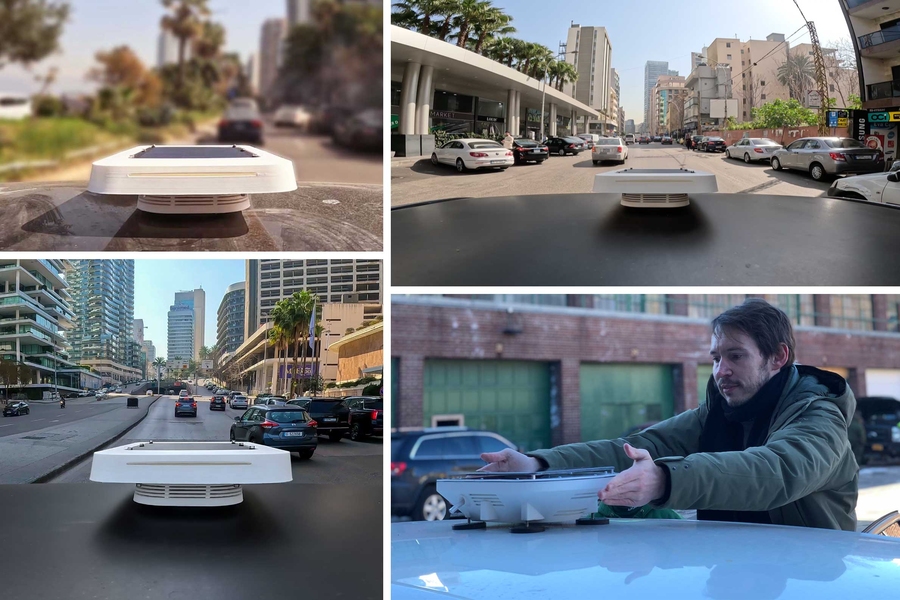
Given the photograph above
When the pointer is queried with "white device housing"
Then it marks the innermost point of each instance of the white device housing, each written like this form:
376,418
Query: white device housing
191,473
545,497
192,179
655,188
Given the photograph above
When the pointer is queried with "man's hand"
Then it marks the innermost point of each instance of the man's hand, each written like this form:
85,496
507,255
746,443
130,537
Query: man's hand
509,461
638,485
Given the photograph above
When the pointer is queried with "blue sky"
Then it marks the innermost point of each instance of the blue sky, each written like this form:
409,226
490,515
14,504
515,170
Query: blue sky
155,284
668,30
104,24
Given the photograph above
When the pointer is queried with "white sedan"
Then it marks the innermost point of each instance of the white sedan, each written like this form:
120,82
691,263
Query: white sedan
292,116
882,188
609,149
473,153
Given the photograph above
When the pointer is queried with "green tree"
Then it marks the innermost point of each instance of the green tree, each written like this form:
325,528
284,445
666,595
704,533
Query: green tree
855,102
30,29
184,21
780,113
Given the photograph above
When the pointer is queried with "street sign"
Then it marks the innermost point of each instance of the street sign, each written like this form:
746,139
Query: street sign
206,365
395,121
838,118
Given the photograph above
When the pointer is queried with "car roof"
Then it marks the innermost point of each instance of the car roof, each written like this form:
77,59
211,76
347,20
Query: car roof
696,558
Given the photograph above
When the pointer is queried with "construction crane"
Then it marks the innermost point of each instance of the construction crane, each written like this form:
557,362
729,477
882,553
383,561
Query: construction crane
821,75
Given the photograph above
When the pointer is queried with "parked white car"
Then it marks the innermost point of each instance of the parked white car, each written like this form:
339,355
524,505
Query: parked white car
882,188
473,153
613,148
239,401
753,149
292,116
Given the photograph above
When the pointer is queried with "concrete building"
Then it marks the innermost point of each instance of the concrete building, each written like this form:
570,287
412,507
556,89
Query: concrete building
299,12
138,331
589,50
437,85
842,74
332,280
553,369
102,335
652,70
667,98
360,354
755,80
195,302
875,31
271,41
230,318
149,351
629,126
705,83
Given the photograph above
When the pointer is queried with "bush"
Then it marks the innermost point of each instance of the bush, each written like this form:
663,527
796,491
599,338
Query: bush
373,389
48,106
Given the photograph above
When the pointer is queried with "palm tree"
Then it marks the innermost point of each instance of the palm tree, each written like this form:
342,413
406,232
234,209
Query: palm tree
417,14
797,72
494,22
469,13
279,338
209,41
184,22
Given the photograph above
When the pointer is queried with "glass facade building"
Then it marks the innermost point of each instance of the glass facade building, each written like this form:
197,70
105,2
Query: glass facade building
230,321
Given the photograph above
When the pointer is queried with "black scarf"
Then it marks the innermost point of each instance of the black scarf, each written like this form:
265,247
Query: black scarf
723,431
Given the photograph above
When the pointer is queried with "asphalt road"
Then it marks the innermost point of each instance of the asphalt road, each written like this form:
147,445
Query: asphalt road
338,206
575,174
357,463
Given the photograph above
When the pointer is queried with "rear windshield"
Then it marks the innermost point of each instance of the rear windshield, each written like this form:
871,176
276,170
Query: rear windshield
241,113
484,145
322,405
608,142
764,142
287,416
844,143
715,139
526,143
374,404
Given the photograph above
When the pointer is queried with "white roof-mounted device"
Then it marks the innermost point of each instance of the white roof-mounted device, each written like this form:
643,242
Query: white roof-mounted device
559,496
192,179
191,473
655,188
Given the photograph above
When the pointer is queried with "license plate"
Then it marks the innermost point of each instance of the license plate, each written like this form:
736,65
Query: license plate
864,156
497,162
535,151
877,448
293,433
329,419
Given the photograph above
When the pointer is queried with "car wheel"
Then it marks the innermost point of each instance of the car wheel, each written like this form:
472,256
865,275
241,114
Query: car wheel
306,454
746,158
231,435
460,166
336,436
434,159
355,433
431,506
817,172
776,164
561,152
27,411
596,162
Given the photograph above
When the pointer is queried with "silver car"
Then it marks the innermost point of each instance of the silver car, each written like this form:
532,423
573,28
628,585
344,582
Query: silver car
822,156
753,149
239,401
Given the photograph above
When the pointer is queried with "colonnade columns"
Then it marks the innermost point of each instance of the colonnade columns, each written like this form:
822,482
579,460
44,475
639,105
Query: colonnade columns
552,120
424,96
574,123
408,91
510,110
517,116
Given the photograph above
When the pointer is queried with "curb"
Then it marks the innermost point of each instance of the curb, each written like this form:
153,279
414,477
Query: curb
71,462
408,162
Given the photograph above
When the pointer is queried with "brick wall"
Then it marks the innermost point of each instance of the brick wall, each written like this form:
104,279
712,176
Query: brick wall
420,332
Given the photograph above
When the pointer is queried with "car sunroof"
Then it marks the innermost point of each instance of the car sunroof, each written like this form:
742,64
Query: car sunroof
194,152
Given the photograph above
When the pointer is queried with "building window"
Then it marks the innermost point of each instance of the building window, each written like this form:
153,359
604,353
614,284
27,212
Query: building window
727,57
831,87
762,96
762,83
728,44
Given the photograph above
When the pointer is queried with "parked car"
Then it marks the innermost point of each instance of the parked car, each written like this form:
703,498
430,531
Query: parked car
183,394
289,115
526,150
753,149
326,117
217,402
712,144
269,401
16,408
285,427
564,145
590,139
644,139
666,140
882,418
420,458
149,393
363,130
695,141
366,416
473,153
824,156
241,124
882,188
238,401
185,405
613,149
629,138
332,415
657,138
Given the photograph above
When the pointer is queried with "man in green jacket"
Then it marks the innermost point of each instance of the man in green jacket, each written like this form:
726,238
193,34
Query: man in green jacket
769,444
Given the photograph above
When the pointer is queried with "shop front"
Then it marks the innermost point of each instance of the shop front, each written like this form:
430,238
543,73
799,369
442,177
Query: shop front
877,128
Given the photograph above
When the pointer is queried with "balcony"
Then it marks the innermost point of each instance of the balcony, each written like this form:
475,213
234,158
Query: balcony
880,44
872,9
885,94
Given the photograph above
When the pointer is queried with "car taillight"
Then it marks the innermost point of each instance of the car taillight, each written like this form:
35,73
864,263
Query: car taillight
571,145
267,424
311,423
509,153
256,123
194,404
837,156
619,149
397,468
478,154
545,149
374,415
223,123
758,150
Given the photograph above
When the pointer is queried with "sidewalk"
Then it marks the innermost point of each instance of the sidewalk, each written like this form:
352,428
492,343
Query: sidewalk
407,161
38,455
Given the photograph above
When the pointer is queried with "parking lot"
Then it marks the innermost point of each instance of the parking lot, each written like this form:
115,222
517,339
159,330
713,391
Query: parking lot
421,181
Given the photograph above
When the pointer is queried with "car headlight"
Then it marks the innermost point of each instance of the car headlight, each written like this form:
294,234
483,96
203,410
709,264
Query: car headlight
895,434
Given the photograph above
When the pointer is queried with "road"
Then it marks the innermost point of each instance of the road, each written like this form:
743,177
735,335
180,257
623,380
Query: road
358,463
575,174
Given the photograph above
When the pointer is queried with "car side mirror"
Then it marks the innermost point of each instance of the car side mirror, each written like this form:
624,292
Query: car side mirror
894,176
237,419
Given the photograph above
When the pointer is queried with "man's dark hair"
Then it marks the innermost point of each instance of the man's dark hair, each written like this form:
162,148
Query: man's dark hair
767,325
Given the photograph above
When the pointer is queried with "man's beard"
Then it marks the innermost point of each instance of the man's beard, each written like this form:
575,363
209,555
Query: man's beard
745,391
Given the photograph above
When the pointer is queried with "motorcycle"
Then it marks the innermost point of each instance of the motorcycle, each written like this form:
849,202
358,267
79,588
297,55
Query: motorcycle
62,402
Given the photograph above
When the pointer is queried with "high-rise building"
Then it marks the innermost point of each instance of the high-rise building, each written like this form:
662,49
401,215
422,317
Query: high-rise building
139,331
230,322
270,54
334,280
652,70
167,49
150,355
102,335
189,309
252,72
299,12
590,51
667,97
629,126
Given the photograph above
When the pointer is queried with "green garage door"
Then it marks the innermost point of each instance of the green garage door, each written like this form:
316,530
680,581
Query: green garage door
703,373
511,398
616,397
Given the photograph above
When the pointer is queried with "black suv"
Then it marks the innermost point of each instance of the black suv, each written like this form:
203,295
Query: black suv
882,418
366,416
217,402
332,415
420,458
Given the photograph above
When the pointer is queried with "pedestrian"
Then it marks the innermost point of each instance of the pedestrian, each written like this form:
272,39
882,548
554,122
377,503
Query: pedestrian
508,141
687,142
768,445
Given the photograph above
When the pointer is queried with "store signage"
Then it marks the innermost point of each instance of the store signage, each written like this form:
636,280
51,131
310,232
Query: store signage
838,118
884,117
395,121
449,114
489,119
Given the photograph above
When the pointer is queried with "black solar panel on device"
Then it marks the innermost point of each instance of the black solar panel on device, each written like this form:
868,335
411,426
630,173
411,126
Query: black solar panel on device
194,152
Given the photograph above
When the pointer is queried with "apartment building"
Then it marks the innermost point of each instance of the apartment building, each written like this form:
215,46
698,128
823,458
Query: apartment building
705,83
875,31
653,69
668,96
841,72
589,50
180,332
274,31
